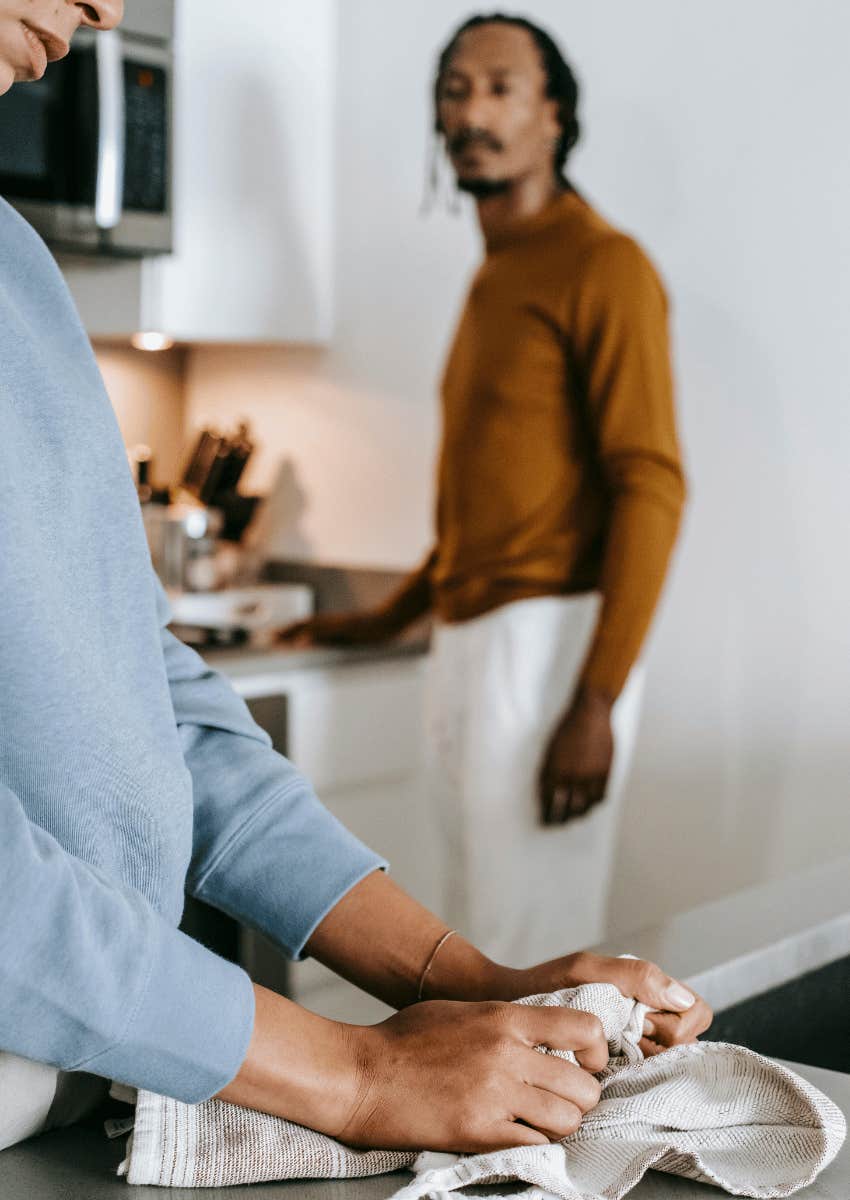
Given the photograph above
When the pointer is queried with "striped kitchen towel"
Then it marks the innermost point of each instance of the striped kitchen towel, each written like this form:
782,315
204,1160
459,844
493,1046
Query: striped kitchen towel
712,1112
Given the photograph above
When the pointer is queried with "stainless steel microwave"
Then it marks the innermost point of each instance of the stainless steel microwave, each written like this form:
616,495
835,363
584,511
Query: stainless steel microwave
85,152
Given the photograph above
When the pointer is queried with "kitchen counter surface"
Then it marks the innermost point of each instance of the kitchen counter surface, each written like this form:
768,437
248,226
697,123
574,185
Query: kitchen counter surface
80,1164
245,662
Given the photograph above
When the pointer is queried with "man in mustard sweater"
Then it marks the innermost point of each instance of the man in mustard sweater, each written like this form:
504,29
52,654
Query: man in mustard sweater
560,491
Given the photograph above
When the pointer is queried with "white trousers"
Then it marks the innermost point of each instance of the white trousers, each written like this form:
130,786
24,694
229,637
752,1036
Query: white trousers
521,891
35,1097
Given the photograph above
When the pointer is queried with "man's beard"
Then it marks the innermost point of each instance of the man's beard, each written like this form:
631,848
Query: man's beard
481,189
477,187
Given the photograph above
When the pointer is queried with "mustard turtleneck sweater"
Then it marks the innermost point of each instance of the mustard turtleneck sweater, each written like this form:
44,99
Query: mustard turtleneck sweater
560,470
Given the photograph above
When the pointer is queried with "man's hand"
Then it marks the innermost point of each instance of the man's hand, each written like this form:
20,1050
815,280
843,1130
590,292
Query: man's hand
338,629
577,760
678,1015
466,1077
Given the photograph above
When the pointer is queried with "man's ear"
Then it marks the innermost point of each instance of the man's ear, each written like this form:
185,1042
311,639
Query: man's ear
552,118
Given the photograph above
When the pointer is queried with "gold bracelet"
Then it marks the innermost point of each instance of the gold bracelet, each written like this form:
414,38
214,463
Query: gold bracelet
429,964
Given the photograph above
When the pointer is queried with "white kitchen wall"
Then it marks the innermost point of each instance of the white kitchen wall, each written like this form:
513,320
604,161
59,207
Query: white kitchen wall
147,394
717,133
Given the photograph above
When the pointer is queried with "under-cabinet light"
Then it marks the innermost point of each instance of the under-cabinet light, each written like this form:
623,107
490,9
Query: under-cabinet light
150,340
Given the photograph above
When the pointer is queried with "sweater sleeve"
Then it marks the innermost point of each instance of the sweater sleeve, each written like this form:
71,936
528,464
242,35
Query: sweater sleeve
412,598
623,360
92,978
265,850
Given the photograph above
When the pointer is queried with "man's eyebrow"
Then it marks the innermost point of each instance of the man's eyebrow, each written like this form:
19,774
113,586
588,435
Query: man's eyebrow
459,71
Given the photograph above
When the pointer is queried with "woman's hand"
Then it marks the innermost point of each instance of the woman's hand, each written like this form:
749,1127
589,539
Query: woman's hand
466,1077
679,1015
441,1075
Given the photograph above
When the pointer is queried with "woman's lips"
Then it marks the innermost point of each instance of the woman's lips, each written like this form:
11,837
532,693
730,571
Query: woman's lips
37,52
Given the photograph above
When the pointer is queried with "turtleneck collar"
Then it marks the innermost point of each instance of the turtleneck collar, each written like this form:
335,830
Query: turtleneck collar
528,227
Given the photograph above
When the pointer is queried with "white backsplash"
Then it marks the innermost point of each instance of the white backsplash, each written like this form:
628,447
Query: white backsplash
147,394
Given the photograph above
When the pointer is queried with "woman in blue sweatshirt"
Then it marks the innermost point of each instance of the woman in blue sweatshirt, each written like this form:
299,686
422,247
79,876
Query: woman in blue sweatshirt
131,773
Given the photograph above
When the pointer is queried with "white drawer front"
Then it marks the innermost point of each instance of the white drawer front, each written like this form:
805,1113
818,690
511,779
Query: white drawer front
395,819
357,724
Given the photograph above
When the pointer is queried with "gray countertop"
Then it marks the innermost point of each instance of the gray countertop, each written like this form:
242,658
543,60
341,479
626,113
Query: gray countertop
251,661
80,1164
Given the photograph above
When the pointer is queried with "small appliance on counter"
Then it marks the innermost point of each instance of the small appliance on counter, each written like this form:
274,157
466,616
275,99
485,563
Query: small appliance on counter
193,530
183,544
194,545
235,616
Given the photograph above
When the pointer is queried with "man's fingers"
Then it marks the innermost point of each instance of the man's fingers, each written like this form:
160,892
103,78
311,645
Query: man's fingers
595,790
590,791
558,806
566,1029
564,1079
565,798
559,795
578,798
551,1114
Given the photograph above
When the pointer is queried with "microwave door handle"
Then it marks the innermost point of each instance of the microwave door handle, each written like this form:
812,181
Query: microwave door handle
109,189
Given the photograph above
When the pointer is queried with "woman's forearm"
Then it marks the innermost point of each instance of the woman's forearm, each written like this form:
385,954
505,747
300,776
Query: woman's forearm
381,939
309,1069
298,1065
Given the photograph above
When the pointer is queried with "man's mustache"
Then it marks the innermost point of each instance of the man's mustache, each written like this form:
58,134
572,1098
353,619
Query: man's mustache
466,138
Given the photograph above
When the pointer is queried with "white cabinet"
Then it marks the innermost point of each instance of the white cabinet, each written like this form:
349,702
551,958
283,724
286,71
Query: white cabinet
252,186
356,732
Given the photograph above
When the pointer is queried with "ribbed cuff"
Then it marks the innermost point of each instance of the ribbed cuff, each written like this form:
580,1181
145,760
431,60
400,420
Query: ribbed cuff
189,1030
288,868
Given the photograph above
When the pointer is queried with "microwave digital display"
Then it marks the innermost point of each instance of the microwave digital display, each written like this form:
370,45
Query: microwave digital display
146,149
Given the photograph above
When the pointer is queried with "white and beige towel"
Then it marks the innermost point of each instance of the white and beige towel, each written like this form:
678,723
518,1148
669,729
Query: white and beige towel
712,1112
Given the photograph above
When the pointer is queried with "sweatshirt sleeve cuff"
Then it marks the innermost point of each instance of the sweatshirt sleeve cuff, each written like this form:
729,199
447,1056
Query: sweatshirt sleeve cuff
189,1030
288,868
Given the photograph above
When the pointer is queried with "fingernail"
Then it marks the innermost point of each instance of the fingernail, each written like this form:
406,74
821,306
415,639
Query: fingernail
679,997
648,1027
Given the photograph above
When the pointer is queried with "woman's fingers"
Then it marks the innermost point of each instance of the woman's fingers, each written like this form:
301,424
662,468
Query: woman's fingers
650,1048
551,1074
512,1133
635,977
672,1029
565,1029
552,1115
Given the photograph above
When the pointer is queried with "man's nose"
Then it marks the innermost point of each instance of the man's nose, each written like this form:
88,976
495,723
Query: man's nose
476,111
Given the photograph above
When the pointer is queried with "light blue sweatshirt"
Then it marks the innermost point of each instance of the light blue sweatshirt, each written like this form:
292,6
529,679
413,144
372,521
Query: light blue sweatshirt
129,771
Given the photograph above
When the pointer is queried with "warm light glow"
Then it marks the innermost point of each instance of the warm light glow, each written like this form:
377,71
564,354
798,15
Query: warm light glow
150,340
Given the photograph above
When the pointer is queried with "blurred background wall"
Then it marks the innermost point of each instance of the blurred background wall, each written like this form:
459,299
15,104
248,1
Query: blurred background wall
717,134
